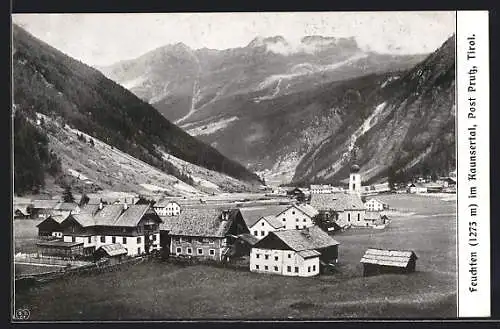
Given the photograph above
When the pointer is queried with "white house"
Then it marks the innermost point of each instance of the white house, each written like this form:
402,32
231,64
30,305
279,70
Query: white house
294,252
167,208
374,205
297,217
323,189
266,224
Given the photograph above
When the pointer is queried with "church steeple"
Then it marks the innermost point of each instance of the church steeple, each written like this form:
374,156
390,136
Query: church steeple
355,179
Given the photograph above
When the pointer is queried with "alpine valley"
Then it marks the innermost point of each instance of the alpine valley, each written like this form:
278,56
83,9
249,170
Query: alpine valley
302,113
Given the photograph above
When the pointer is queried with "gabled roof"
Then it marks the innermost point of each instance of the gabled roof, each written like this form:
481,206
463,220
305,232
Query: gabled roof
417,185
108,214
201,222
167,223
376,200
22,210
397,258
252,214
307,209
58,219
132,216
114,249
45,204
305,239
271,220
337,201
84,219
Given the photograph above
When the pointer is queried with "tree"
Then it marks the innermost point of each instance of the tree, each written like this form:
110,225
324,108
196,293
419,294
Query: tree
391,177
84,200
67,195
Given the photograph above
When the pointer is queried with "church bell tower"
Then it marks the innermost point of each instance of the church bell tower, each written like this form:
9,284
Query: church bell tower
355,180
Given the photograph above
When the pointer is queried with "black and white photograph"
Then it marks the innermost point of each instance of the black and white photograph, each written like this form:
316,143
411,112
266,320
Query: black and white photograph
237,166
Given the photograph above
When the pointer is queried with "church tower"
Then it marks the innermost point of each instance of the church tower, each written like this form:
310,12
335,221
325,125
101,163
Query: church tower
355,180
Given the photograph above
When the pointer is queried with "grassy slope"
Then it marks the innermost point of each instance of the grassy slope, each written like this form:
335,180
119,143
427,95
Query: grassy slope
165,291
55,84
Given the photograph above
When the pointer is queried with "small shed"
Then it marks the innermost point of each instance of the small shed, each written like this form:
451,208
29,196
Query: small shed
244,244
114,252
21,213
383,261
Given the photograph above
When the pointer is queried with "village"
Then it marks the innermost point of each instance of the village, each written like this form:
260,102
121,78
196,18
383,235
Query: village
291,232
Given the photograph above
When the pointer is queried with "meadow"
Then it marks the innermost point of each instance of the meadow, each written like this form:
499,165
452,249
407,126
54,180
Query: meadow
160,290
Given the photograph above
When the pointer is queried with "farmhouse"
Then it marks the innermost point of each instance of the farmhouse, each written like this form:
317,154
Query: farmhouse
375,205
348,208
167,208
43,208
294,252
21,213
252,214
265,225
380,261
65,208
417,188
207,234
51,227
136,227
323,189
297,193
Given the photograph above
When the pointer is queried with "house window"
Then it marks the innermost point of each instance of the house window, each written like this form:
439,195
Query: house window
211,241
289,268
179,250
255,233
296,219
138,250
257,255
309,269
262,233
212,252
297,227
284,219
90,239
348,217
200,251
113,239
314,267
200,240
266,267
256,267
289,255
103,239
138,239
154,237
276,258
358,217
293,212
73,238
305,226
266,256
189,251
262,223
276,268
296,269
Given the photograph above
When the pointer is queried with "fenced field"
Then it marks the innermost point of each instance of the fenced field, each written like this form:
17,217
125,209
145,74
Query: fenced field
161,290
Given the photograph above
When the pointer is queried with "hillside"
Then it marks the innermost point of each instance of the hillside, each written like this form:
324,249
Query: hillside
264,105
51,83
407,123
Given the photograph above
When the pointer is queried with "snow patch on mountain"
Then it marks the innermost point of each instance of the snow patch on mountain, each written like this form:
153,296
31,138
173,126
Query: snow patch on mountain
211,127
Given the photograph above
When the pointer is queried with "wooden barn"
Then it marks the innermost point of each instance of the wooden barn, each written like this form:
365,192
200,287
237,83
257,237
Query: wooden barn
383,261
60,249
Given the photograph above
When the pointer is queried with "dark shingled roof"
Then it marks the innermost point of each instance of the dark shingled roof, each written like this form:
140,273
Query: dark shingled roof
132,215
90,209
113,215
249,238
252,214
305,239
273,221
337,201
108,214
397,258
205,222
167,222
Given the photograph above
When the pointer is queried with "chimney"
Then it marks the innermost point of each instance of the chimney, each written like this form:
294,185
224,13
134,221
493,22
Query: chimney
125,205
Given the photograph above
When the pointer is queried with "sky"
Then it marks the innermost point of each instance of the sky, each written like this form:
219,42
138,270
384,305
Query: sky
104,39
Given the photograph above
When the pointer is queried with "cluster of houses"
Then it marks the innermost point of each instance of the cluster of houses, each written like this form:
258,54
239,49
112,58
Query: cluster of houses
277,239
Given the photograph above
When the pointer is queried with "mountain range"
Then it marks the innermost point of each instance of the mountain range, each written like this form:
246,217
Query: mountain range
76,96
302,113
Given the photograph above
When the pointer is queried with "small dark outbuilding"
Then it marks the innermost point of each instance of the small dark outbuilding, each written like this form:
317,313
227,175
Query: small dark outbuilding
381,261
114,252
